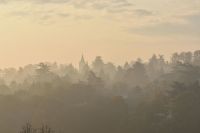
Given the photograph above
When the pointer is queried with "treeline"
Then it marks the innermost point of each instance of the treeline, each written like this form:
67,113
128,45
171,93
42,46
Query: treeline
157,96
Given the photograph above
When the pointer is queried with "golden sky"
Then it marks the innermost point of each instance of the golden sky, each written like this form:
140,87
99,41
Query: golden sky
118,30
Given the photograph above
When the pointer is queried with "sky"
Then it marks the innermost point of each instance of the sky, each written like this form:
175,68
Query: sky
33,31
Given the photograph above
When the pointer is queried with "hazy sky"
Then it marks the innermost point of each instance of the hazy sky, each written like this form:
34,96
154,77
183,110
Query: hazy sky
61,30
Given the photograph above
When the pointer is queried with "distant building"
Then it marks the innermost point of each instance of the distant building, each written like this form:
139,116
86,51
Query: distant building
83,66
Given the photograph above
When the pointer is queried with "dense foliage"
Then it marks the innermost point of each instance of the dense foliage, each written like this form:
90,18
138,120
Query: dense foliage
152,97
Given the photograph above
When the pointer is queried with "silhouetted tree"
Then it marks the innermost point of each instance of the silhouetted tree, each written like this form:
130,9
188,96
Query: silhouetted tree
28,129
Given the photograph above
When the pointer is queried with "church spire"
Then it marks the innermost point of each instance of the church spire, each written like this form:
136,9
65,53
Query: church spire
82,63
82,59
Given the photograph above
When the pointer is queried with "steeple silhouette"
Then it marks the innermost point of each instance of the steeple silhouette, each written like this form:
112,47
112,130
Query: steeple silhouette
82,64
82,59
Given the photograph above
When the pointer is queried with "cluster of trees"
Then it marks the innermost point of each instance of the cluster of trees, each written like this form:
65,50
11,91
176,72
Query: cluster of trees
28,128
140,97
187,58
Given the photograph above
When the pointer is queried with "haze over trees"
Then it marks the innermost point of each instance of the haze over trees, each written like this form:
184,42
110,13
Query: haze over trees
157,96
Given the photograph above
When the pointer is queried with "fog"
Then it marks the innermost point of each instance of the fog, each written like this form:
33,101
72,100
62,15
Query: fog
154,96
